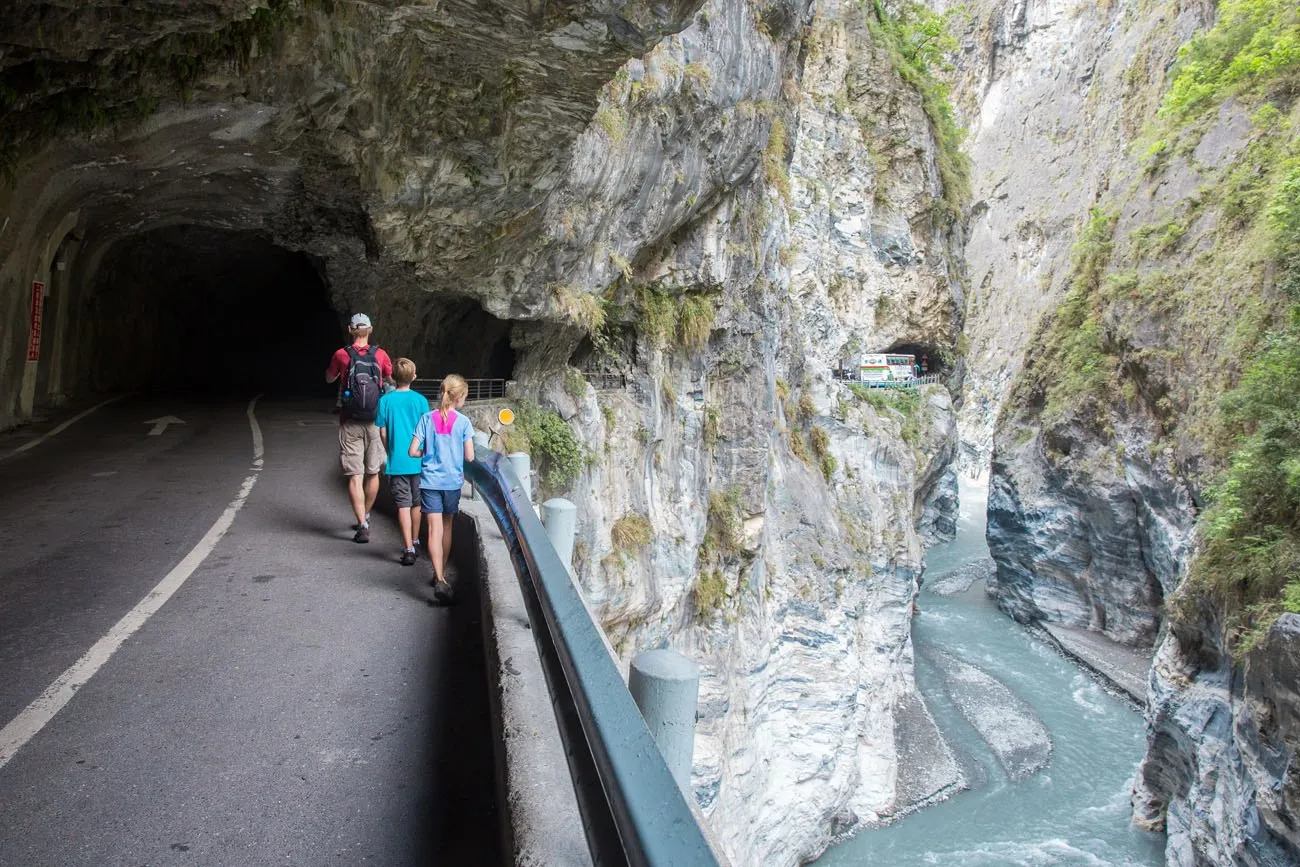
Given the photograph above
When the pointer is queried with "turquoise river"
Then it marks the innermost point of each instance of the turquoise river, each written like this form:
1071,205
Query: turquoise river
1073,812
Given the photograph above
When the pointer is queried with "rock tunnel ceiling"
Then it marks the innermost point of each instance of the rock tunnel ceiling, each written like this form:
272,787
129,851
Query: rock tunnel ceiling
431,172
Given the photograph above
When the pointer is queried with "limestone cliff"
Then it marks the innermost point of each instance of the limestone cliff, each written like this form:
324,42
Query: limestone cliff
1168,284
1053,93
676,220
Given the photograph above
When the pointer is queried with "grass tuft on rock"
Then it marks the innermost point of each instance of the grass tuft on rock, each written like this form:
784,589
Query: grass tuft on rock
631,532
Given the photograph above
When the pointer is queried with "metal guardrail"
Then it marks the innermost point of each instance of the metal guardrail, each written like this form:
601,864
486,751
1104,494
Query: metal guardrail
633,811
606,381
479,389
927,379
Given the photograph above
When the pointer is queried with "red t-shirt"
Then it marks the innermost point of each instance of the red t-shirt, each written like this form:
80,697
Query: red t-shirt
339,363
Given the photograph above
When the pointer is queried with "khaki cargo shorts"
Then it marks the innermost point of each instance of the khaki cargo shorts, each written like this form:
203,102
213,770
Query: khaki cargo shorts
361,452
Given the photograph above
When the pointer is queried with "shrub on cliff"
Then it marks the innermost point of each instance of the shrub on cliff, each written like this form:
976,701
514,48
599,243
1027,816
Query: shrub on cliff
554,447
1250,555
919,41
1253,46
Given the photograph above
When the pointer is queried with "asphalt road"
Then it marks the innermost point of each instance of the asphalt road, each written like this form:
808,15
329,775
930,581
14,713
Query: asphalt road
295,702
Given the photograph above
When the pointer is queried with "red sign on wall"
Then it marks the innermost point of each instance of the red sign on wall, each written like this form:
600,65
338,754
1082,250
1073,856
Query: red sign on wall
34,335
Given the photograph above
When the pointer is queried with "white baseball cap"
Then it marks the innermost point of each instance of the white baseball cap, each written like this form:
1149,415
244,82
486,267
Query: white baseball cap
360,320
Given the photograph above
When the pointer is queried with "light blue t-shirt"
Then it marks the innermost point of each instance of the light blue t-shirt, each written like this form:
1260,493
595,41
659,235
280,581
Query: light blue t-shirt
400,412
444,450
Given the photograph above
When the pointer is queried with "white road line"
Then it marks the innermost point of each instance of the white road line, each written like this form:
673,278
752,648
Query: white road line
37,714
60,429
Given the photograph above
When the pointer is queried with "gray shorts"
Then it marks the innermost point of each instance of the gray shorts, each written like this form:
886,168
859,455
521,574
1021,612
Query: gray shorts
406,490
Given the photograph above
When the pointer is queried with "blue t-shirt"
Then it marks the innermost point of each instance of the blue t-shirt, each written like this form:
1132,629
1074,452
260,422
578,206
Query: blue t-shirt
400,412
444,450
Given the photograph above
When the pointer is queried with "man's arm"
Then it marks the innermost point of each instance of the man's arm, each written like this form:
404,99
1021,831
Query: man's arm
383,437
335,370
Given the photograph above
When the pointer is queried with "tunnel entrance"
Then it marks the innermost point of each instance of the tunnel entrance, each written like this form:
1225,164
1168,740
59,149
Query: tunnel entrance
461,337
926,355
208,310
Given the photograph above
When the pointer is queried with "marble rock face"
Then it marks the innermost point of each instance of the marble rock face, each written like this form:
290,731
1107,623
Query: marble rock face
686,199
1092,507
1220,770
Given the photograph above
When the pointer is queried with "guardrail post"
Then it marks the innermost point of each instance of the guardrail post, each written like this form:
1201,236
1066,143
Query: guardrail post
666,688
560,517
522,464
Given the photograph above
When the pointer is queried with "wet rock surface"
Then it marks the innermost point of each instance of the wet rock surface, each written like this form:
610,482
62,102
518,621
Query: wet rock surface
1220,769
1007,723
1119,665
959,580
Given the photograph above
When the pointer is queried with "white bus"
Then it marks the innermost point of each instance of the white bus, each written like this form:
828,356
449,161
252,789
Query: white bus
886,368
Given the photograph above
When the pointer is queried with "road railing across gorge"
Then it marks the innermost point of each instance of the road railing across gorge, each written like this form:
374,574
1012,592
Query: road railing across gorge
633,811
606,381
926,379
479,389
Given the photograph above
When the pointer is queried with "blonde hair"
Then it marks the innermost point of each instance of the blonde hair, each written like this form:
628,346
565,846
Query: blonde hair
454,389
359,331
403,371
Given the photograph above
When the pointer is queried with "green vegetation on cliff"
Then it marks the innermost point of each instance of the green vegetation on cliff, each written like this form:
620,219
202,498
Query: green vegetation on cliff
1249,561
1253,48
555,449
1250,556
1194,323
918,41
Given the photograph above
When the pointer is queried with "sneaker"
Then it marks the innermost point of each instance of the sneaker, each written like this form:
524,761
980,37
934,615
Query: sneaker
408,558
363,534
443,593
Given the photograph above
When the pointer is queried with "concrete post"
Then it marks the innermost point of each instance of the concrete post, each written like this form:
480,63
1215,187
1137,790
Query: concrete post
561,520
522,463
666,687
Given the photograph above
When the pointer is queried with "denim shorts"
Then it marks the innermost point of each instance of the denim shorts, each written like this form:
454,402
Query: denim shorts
439,502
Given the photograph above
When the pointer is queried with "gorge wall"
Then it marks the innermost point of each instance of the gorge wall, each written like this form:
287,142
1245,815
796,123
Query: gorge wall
711,205
1127,493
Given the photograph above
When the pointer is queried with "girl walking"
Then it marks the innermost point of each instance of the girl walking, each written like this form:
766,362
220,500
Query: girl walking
443,440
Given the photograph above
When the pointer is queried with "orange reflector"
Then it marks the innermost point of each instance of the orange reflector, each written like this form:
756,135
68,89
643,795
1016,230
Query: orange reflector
505,416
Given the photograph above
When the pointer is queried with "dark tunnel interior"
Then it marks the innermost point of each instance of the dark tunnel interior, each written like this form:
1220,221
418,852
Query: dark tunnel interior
463,338
926,356
222,312
209,310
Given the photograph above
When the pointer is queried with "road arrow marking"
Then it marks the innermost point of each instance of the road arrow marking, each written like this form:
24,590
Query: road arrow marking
160,424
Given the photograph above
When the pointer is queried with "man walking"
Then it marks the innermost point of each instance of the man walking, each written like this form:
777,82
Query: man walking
364,370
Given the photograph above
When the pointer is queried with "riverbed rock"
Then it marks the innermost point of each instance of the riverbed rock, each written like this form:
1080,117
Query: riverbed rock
1005,721
959,580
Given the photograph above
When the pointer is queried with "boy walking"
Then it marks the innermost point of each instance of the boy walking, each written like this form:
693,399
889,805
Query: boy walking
443,440
399,413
